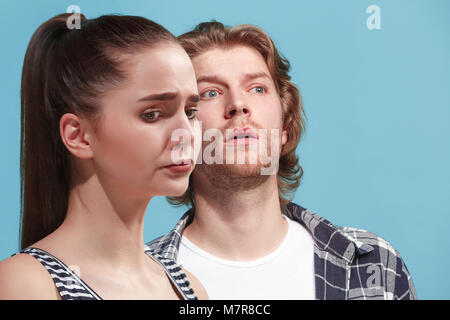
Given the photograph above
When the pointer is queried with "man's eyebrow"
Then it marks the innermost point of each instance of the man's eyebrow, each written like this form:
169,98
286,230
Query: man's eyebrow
256,75
246,77
212,79
167,96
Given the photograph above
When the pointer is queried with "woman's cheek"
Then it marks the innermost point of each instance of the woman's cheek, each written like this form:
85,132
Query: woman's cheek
116,143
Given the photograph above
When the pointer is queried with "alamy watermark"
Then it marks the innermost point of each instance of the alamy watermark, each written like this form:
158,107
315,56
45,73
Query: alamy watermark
235,146
73,21
72,279
374,20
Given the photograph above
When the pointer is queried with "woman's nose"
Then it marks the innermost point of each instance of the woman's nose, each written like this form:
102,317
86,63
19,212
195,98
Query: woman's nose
183,133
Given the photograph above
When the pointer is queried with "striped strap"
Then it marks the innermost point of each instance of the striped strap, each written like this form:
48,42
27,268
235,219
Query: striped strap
69,285
175,273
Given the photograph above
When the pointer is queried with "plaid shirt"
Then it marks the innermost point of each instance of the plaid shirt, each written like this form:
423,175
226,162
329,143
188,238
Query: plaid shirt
349,264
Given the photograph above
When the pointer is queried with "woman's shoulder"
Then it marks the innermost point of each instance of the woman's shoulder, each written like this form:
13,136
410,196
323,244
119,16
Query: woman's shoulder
197,286
23,277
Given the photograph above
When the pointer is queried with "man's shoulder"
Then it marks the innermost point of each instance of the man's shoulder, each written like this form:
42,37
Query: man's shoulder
381,265
376,268
167,245
379,247
362,237
163,245
365,241
154,243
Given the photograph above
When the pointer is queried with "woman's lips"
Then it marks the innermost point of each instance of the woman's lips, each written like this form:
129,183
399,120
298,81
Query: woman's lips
184,167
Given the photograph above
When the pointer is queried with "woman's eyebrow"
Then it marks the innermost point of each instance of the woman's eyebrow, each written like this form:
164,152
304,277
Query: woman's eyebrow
168,96
160,96
194,98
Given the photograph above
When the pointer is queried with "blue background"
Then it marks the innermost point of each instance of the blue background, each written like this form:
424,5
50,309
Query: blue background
376,152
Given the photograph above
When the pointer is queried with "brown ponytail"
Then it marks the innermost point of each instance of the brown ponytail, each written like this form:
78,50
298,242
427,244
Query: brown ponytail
65,71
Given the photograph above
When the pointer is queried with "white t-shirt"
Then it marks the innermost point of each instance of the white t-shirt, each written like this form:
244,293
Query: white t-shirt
286,273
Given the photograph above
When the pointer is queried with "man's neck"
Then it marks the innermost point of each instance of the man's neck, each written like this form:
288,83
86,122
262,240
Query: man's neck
238,225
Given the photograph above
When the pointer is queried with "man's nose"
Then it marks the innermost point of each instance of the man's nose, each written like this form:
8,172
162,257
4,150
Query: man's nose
237,108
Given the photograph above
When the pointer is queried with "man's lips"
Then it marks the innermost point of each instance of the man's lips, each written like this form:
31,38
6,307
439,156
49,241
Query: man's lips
240,133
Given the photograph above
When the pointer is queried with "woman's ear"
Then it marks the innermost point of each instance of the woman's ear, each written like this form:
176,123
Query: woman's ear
75,135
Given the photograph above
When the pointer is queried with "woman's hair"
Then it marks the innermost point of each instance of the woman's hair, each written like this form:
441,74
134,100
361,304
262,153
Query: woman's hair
66,71
212,35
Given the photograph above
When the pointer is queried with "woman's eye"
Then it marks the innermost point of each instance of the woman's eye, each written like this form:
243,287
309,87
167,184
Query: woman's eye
210,94
150,116
190,113
258,90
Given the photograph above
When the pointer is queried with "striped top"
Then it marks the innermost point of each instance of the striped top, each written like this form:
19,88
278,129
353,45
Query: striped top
71,287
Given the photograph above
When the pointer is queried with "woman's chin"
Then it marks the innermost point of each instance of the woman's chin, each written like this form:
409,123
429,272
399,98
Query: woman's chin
174,190
177,193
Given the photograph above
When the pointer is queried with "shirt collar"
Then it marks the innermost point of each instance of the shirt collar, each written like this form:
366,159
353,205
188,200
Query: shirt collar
326,236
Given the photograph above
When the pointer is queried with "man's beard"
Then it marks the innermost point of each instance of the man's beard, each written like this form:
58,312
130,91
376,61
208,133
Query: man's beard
235,175
232,177
243,168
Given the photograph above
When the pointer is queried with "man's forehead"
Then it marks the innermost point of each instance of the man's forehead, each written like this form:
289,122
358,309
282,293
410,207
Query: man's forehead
240,62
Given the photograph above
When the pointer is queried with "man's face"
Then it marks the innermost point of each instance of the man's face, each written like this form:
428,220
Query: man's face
238,95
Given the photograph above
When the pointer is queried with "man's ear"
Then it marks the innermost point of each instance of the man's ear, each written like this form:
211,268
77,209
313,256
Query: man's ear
284,137
75,135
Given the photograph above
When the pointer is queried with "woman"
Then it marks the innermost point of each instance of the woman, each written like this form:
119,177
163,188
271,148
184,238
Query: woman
99,105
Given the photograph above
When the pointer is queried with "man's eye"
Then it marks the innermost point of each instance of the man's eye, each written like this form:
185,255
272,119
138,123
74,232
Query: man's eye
150,116
190,113
210,94
258,90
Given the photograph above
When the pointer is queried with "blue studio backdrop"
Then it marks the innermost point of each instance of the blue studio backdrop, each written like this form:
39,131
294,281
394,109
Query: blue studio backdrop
375,81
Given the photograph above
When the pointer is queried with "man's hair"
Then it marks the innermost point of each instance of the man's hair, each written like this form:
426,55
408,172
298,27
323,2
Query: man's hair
212,35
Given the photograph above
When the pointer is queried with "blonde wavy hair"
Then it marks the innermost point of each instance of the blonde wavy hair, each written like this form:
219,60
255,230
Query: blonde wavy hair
212,35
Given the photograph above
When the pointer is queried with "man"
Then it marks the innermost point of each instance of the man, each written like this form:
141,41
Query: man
242,238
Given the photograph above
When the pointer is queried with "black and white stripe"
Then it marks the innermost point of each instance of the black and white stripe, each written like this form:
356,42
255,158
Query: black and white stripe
71,287
176,274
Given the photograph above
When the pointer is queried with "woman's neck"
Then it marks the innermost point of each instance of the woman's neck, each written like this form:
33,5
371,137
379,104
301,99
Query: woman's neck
105,224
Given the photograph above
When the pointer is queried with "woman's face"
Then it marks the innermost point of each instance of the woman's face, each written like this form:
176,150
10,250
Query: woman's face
132,145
